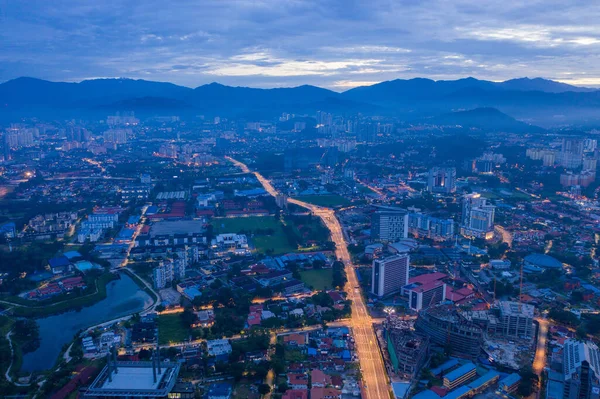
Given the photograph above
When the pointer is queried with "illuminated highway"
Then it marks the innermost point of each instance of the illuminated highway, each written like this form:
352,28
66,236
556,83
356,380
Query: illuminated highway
371,361
539,361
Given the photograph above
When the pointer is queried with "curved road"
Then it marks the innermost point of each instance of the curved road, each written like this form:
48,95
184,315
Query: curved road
369,355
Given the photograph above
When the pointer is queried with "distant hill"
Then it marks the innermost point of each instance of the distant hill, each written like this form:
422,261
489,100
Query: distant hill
482,118
536,100
539,84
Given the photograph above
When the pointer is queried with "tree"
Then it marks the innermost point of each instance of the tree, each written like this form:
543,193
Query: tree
528,377
264,389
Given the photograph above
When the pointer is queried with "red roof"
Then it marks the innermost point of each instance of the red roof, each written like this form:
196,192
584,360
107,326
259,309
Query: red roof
295,394
427,278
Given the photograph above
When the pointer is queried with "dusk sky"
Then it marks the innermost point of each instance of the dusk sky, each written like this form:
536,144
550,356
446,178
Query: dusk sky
334,44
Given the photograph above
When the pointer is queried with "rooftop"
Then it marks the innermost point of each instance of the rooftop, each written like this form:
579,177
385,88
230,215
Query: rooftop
542,260
459,372
133,379
177,227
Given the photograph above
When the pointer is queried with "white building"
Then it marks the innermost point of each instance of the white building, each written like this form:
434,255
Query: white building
389,274
477,217
389,224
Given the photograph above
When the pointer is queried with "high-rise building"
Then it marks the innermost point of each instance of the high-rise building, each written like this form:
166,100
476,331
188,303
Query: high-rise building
422,225
389,224
581,366
442,180
425,290
571,153
390,274
477,217
168,271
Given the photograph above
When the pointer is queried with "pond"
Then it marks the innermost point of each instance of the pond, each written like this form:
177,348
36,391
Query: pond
123,297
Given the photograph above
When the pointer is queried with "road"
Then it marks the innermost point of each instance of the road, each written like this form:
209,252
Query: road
539,362
369,355
12,358
506,236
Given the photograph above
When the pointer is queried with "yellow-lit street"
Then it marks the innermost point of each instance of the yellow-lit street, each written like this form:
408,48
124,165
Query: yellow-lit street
371,361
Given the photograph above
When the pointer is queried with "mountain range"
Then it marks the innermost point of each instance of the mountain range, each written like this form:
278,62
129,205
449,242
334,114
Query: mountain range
537,101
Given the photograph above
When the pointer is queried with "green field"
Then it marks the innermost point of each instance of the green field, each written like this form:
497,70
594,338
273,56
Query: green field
244,224
172,329
276,241
317,279
331,200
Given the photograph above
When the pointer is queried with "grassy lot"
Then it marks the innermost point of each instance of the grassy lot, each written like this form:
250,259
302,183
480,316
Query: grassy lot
35,310
331,200
318,279
172,329
308,229
244,224
257,226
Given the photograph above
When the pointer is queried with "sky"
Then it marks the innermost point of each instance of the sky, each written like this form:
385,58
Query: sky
338,44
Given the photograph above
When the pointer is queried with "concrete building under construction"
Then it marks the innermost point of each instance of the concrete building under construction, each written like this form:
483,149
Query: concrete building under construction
505,319
445,326
408,351
144,379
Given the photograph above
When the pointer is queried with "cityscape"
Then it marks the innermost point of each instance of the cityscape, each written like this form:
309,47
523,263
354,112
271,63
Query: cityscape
422,235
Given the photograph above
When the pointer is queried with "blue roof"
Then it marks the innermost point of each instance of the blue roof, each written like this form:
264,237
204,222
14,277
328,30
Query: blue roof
192,292
458,392
446,366
73,254
133,219
542,260
312,351
8,227
510,379
459,372
59,261
125,234
151,210
84,265
428,394
484,379
400,389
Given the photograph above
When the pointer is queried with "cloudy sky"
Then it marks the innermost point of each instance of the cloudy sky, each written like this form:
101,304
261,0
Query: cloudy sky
269,43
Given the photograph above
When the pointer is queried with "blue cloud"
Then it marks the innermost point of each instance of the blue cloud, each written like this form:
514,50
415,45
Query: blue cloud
333,43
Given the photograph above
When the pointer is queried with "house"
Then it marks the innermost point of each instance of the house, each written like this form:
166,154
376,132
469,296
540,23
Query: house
68,284
292,286
295,394
295,339
297,380
219,348
274,278
253,319
60,265
325,393
319,379
206,318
